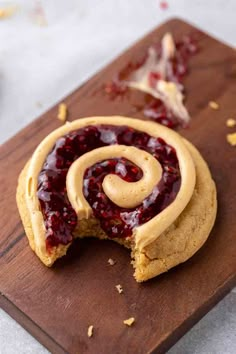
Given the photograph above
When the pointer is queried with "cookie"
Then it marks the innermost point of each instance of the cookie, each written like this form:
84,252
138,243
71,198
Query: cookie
135,182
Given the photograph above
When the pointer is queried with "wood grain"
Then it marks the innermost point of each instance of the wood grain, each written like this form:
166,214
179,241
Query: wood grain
57,305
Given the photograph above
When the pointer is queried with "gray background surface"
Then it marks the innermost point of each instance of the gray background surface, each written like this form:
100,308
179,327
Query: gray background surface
40,65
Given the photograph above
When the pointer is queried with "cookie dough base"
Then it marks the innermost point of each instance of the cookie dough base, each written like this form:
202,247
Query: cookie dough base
174,246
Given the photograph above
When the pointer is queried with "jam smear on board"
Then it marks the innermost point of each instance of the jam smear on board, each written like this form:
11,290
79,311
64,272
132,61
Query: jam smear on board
177,68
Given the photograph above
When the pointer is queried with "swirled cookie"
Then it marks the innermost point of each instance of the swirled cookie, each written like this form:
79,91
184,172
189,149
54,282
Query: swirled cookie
135,182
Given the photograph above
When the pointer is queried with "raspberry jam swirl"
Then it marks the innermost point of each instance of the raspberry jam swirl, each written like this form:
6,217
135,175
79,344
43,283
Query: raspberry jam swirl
59,216
135,177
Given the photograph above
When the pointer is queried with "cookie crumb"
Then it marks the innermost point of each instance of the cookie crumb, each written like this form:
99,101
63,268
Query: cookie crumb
230,122
119,288
90,331
62,112
6,12
129,321
231,138
214,105
111,261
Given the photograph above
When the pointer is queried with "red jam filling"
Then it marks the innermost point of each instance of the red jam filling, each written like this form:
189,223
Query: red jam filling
59,217
153,108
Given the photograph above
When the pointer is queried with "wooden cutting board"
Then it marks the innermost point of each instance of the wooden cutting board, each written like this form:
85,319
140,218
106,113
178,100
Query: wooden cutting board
57,305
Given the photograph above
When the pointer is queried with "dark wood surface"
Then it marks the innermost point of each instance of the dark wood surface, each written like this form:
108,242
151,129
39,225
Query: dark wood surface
57,305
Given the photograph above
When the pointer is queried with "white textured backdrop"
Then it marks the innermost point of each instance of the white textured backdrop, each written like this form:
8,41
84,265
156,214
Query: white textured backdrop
39,65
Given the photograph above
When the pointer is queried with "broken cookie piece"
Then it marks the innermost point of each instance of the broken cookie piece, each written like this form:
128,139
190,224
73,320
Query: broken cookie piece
62,112
111,261
230,122
129,322
214,105
90,331
231,138
119,288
